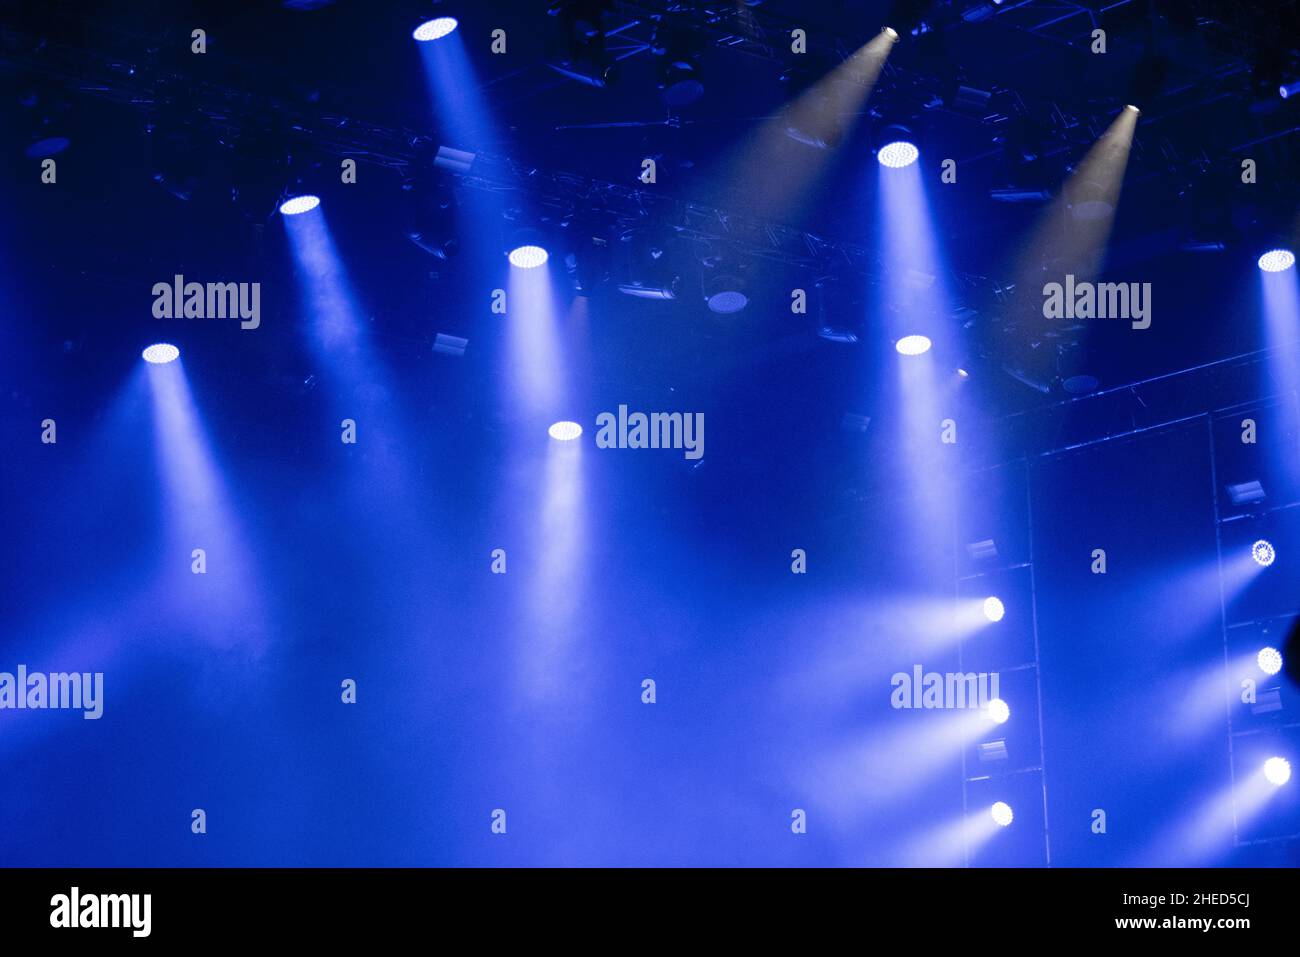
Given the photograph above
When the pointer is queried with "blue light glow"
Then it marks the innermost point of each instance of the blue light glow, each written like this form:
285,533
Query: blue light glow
527,257
898,154
161,353
299,204
434,29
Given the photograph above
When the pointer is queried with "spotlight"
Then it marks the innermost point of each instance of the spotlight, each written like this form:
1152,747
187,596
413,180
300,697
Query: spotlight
897,154
160,353
1002,815
434,29
725,295
993,608
912,345
1276,260
564,431
527,257
1263,553
998,711
299,204
1132,108
1278,771
1289,89
1269,660
891,33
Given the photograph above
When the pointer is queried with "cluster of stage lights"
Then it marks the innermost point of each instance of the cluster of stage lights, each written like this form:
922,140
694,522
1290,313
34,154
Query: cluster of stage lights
160,353
296,205
434,29
565,431
1277,260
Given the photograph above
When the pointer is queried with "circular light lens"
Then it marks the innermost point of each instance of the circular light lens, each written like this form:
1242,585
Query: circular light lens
993,608
1263,553
565,431
527,257
1276,260
999,711
898,154
434,29
1278,771
1001,812
1269,660
727,302
912,345
299,204
160,353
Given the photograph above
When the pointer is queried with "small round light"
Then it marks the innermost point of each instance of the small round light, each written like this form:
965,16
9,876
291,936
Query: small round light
912,345
161,353
1276,260
891,33
1002,815
962,373
993,608
1278,771
998,711
565,431
727,302
527,257
299,204
1269,660
1263,553
898,154
434,29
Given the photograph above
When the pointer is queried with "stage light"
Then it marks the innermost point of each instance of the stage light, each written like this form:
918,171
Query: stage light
299,204
891,33
963,374
912,345
1269,660
565,431
434,29
1132,108
527,257
1278,771
1263,553
998,711
993,608
161,353
1288,89
1002,815
898,154
1276,260
725,295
